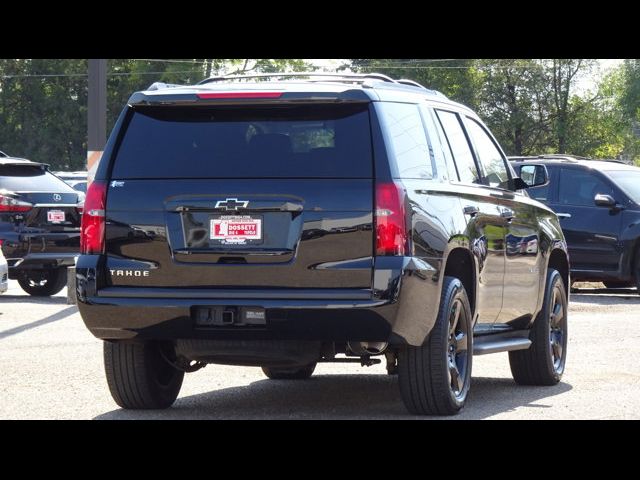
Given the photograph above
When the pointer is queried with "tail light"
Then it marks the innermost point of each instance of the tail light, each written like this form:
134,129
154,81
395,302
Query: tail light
11,205
391,231
93,219
240,95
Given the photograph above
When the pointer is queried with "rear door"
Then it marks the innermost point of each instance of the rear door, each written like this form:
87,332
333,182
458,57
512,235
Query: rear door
519,215
276,196
481,206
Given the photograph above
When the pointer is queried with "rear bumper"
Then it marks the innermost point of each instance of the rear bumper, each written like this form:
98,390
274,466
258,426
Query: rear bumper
400,309
38,250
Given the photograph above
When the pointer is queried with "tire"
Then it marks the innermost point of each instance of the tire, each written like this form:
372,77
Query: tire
138,375
544,361
295,373
618,284
43,283
427,374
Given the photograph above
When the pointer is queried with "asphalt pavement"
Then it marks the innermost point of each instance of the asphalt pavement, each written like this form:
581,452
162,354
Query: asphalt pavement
51,368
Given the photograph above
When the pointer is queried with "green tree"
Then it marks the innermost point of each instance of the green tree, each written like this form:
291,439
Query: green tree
43,102
564,75
630,96
128,76
597,127
515,103
43,110
459,80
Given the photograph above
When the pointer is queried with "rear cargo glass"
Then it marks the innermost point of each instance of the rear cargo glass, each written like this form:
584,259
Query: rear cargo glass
238,142
22,178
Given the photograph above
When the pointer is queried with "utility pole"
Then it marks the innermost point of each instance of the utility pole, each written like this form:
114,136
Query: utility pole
97,107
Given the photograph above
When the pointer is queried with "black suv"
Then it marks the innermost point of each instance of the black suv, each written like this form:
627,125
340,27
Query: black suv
598,203
282,223
39,225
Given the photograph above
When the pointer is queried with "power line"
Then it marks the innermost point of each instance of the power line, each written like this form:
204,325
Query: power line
422,67
202,62
115,74
151,73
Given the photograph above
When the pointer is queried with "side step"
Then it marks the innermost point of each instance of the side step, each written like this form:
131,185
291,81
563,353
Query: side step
501,342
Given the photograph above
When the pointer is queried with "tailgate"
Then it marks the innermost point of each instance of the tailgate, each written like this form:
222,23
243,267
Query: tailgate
242,197
254,233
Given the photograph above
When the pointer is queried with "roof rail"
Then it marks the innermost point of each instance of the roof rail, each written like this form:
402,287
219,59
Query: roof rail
563,155
162,86
338,76
406,81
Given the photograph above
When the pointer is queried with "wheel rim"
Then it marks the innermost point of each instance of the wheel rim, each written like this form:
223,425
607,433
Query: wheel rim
44,279
557,329
457,349
164,371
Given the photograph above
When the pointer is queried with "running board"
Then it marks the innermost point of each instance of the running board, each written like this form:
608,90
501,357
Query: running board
486,344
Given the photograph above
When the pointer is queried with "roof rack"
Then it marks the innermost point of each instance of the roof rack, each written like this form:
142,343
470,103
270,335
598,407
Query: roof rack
566,157
353,77
162,86
406,81
563,155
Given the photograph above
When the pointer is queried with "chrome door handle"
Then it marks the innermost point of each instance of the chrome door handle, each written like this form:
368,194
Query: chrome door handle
563,215
471,210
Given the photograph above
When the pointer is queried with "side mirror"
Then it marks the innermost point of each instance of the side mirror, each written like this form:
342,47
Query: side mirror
534,175
602,200
518,184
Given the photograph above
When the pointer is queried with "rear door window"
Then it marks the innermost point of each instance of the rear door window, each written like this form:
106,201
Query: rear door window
493,164
246,142
457,140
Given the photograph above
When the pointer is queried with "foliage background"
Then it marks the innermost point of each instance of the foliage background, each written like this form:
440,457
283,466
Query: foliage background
532,106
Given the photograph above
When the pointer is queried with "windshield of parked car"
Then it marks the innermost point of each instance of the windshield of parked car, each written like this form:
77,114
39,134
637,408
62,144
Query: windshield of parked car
628,181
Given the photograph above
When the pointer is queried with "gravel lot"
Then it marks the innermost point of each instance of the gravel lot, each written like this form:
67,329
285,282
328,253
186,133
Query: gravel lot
51,368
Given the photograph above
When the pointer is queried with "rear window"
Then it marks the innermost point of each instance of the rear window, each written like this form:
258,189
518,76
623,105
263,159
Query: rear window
241,142
19,178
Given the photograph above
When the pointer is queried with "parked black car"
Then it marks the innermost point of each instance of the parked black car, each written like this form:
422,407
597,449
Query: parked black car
598,203
39,225
280,223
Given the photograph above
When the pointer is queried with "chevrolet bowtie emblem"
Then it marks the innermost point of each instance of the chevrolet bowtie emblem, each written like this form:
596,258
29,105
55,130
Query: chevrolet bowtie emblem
232,204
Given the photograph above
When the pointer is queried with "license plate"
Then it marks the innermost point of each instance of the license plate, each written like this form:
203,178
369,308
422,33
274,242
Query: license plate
55,216
236,229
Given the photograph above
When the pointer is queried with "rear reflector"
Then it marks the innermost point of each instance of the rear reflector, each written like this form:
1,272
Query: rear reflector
391,231
240,95
93,219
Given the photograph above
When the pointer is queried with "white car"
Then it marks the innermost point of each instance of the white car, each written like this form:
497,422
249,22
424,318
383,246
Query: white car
4,273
